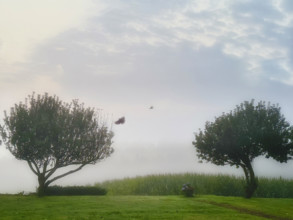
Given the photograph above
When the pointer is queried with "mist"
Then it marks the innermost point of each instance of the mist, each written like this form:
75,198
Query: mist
131,160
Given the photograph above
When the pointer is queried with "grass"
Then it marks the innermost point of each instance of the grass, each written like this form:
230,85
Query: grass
170,184
280,208
222,185
142,207
126,199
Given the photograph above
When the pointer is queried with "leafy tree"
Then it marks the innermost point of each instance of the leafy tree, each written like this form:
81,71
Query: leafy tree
236,138
50,134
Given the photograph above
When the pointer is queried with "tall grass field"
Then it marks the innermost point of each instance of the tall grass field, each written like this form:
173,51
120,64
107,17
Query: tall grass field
159,197
223,185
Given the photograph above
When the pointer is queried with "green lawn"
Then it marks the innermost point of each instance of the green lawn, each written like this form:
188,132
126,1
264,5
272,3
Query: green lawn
142,207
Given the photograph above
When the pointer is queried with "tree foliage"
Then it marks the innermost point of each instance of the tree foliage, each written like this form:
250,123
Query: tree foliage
237,137
50,134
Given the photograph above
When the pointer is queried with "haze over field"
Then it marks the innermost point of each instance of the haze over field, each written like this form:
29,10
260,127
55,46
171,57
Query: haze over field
190,60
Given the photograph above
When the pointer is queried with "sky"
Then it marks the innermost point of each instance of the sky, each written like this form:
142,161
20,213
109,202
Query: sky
189,59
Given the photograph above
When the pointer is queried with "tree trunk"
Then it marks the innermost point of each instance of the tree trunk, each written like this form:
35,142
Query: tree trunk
42,186
251,180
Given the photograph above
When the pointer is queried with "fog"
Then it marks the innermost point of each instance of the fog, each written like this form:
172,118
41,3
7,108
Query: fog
191,60
131,160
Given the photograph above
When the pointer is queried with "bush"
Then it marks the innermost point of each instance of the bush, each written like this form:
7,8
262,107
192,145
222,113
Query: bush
75,191
187,190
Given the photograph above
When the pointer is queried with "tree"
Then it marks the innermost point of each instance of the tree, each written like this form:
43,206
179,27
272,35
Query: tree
236,138
50,134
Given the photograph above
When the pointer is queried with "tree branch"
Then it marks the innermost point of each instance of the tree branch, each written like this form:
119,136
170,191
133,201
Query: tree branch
65,174
32,168
57,166
51,172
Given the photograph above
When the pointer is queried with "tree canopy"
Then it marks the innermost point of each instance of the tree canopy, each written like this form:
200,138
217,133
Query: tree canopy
50,134
237,137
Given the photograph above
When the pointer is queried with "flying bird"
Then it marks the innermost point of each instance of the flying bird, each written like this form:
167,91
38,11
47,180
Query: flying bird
120,121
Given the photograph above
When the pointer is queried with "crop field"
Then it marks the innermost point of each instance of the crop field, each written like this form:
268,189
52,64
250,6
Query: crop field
143,207
222,185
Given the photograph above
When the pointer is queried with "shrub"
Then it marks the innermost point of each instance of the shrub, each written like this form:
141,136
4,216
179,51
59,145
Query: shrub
187,190
75,190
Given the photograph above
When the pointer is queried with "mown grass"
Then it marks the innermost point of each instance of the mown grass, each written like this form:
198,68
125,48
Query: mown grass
141,207
223,185
271,206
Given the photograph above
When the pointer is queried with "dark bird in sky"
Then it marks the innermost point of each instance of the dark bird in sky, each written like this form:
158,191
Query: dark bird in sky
120,121
152,107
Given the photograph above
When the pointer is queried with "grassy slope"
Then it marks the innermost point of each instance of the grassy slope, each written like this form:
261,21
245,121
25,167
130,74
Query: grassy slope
222,185
139,207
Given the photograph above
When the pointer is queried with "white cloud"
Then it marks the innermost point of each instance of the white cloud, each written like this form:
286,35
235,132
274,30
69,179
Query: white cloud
24,27
240,34
26,24
287,19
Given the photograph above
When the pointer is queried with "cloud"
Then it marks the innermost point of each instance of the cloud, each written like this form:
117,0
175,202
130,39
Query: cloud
177,53
26,24
148,52
254,32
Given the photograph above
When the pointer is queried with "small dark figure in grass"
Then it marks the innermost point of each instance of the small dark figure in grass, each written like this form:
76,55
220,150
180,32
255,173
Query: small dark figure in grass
187,190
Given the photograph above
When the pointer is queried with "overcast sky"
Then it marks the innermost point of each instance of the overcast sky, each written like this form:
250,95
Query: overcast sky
191,60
